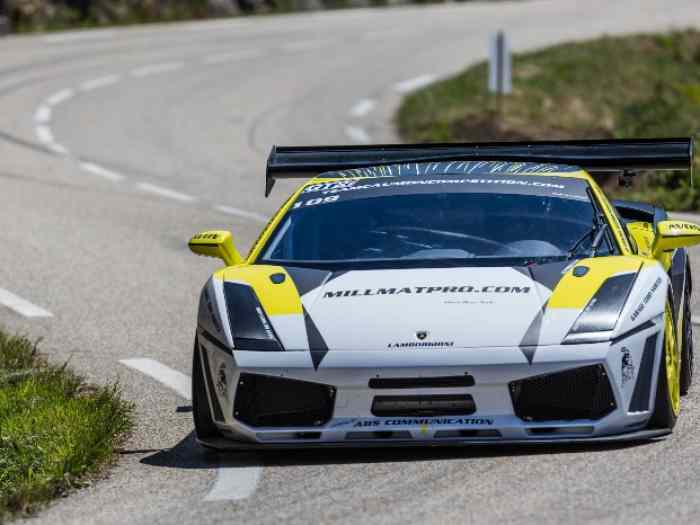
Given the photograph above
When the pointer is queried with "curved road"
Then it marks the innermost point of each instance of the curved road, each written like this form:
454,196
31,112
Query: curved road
117,145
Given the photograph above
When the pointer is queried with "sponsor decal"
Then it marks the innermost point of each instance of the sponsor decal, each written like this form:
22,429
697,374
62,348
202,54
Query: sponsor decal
640,308
684,227
331,186
206,237
420,422
425,344
627,366
468,302
221,384
338,188
495,289
421,335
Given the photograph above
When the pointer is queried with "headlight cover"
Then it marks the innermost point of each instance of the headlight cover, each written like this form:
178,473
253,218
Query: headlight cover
250,326
598,319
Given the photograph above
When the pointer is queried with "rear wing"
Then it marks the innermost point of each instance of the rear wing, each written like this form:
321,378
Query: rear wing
624,156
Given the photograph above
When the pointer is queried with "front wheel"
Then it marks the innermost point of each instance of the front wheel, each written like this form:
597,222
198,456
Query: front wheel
668,395
204,425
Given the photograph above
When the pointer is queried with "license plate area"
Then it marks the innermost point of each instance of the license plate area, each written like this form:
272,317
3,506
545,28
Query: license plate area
428,405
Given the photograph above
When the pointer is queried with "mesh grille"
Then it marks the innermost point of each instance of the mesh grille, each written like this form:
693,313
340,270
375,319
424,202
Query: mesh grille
581,393
266,401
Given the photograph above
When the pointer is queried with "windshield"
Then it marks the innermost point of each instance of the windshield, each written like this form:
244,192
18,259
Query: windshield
458,223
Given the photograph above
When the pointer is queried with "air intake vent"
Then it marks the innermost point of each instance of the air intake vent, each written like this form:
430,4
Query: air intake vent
267,401
581,393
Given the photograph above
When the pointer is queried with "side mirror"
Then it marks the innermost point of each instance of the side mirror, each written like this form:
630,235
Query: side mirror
216,244
643,235
675,234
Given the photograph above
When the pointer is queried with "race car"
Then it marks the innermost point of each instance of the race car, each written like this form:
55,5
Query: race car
449,294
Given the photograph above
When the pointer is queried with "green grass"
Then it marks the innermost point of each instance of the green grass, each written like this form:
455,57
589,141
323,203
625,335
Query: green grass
634,86
55,430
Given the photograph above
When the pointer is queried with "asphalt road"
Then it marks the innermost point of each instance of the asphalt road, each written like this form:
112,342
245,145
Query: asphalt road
117,145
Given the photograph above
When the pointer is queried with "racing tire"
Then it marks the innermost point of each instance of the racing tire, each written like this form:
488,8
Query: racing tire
204,426
687,351
663,416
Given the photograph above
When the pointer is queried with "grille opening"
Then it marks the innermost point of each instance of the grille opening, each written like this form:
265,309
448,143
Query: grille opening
580,393
435,405
379,434
421,382
467,433
542,431
268,401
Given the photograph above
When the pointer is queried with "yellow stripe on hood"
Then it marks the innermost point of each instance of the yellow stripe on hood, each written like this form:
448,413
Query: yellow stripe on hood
575,292
276,299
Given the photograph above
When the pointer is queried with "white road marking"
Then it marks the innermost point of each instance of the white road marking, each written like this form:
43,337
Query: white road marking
44,134
173,379
229,210
57,148
96,83
75,36
414,83
358,135
164,192
60,97
155,69
101,172
22,306
42,115
234,483
362,107
232,56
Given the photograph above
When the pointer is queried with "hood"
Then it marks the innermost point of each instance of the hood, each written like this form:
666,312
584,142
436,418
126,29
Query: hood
425,308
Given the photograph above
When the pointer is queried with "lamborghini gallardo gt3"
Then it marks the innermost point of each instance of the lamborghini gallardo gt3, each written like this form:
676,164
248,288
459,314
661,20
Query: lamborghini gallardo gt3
449,294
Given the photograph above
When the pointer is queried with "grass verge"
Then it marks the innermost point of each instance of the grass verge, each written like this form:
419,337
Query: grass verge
634,86
55,430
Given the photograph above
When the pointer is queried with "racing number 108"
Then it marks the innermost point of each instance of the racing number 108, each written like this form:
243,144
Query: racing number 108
315,201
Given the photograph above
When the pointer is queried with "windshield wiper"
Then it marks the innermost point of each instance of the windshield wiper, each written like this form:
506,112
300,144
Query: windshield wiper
597,230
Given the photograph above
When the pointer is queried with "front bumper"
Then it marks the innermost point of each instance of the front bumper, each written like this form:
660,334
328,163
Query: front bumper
352,422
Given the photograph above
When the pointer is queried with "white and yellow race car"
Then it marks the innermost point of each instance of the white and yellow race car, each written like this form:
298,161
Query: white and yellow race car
449,294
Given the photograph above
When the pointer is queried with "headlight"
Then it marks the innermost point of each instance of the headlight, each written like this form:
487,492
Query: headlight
250,326
598,319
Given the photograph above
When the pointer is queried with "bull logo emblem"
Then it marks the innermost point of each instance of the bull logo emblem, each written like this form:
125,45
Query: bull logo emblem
421,334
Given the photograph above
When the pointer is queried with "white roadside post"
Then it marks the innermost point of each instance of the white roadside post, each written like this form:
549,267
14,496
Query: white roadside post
500,68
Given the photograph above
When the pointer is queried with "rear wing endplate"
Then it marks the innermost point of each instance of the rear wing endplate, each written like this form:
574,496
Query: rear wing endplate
625,156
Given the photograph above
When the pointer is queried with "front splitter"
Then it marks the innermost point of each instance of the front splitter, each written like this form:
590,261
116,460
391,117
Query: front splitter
224,444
